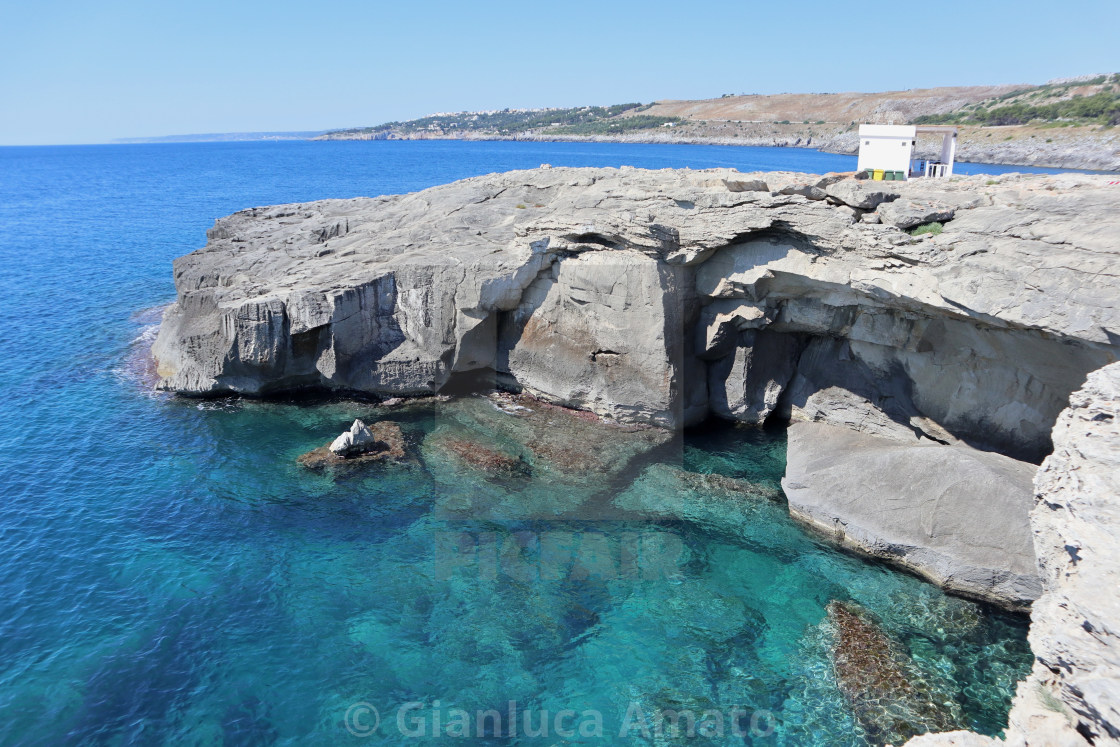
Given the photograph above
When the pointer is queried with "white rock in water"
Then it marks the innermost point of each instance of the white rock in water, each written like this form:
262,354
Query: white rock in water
357,440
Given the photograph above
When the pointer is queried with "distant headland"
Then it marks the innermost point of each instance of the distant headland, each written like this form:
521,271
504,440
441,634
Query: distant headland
223,137
1065,123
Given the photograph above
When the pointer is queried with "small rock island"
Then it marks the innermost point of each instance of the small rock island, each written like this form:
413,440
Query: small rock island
922,338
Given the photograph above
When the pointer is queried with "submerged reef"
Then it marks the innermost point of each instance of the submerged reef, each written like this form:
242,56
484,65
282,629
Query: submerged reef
887,693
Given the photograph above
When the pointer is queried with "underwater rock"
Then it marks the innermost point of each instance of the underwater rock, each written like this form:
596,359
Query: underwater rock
567,441
731,487
484,458
570,460
721,504
887,694
382,441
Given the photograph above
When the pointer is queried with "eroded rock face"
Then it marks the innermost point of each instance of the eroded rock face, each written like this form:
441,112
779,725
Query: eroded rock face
592,332
1073,694
954,515
911,213
592,287
1072,697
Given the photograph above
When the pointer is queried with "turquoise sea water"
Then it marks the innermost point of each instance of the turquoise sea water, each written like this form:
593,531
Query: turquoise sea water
169,575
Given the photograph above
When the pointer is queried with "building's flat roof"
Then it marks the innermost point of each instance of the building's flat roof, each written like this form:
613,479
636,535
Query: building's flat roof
899,131
902,131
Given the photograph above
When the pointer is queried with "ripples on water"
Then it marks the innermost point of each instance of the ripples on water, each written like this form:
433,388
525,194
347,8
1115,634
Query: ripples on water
171,575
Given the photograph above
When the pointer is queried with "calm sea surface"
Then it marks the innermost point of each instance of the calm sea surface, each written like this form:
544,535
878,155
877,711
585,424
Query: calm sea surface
169,575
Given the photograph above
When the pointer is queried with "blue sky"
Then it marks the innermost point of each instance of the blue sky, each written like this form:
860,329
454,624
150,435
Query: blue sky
86,72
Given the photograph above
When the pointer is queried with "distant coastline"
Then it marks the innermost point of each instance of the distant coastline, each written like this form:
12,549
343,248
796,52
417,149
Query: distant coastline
223,137
1070,149
1069,123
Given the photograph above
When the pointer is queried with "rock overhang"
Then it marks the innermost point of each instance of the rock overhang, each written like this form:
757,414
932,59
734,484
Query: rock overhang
348,294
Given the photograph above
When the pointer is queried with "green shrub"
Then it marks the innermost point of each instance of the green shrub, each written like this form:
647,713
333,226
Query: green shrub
615,126
930,228
1100,108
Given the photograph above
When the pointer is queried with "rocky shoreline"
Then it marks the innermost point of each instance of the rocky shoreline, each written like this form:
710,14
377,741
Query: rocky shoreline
923,371
1063,148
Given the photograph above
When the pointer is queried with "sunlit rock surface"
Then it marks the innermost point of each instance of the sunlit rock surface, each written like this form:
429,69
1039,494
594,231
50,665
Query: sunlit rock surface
658,296
955,515
1072,697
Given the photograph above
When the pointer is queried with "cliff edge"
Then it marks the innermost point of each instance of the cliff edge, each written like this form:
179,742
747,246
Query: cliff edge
1072,697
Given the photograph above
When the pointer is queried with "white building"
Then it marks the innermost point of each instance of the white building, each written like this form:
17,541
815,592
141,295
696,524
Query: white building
890,148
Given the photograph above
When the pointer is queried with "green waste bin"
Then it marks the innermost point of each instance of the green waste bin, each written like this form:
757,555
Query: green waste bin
900,176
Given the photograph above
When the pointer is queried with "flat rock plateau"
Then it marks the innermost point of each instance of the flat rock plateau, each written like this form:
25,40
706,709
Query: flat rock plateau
923,337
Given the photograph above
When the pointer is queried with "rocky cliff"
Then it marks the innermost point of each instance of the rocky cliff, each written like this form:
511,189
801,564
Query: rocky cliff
664,296
1072,697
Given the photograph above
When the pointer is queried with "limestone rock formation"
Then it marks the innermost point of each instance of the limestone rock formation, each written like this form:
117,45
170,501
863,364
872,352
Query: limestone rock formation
592,287
911,213
360,444
357,440
661,297
1072,697
1075,626
954,515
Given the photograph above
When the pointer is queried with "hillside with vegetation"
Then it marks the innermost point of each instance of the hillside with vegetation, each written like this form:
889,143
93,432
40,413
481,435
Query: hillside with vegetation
1070,123
1063,104
585,120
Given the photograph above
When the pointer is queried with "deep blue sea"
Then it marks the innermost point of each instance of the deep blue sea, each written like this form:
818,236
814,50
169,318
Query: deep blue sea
170,575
